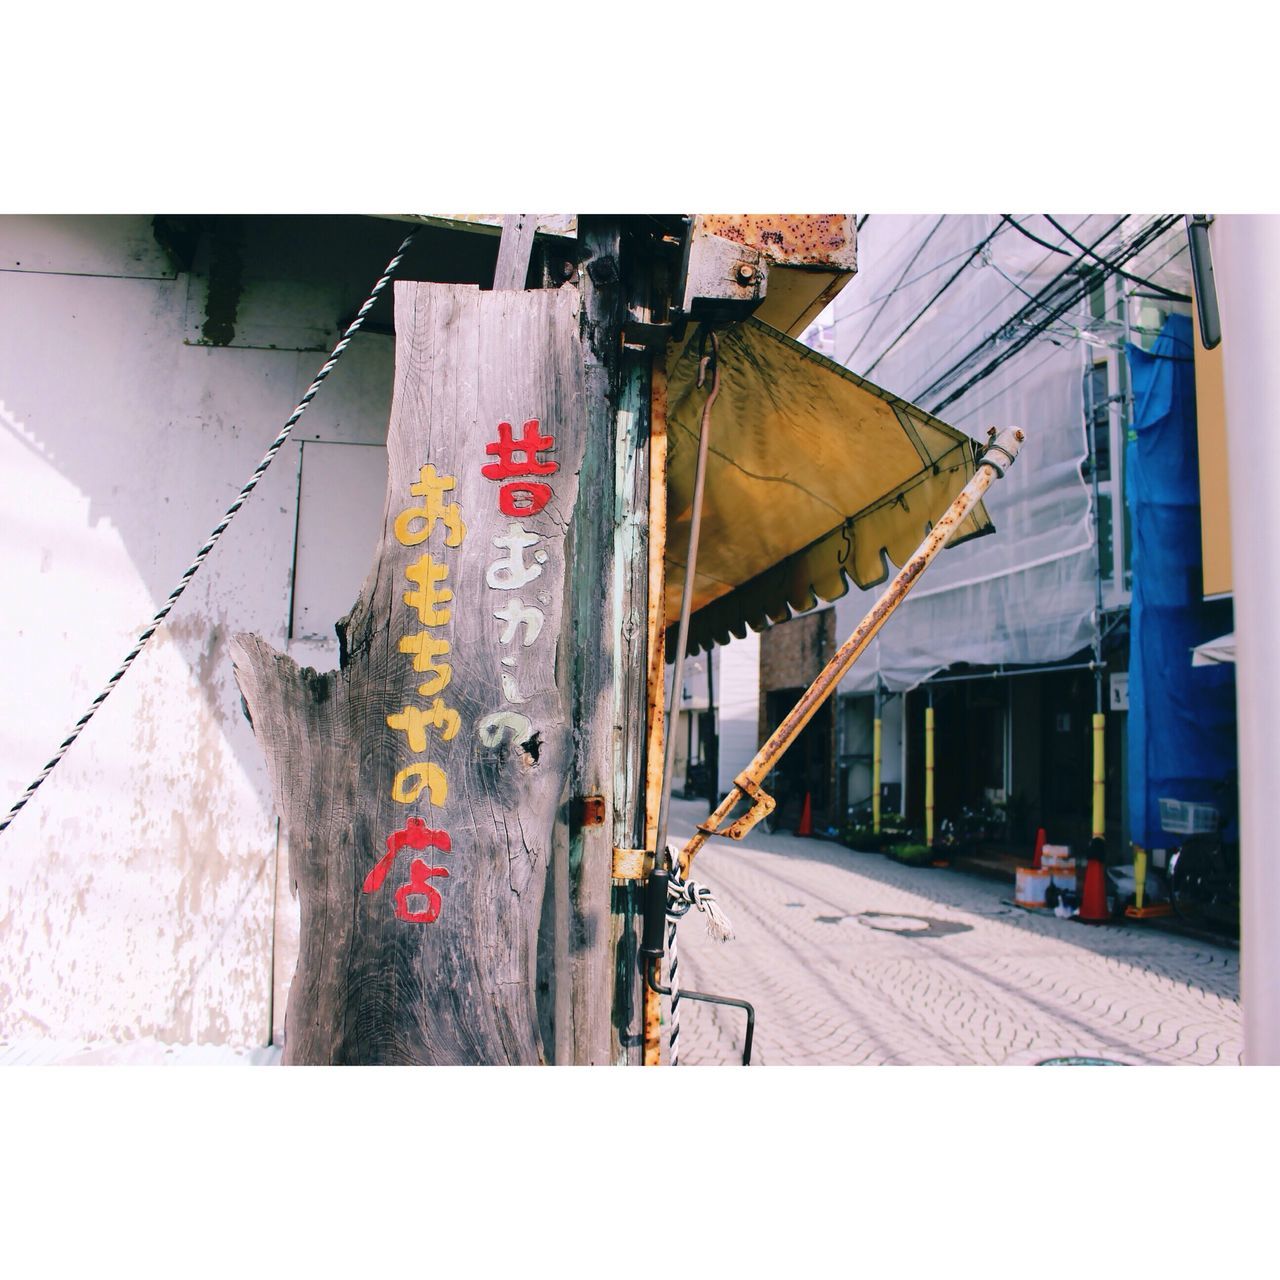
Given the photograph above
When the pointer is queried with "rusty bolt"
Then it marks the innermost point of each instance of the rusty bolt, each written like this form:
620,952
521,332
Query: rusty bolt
746,273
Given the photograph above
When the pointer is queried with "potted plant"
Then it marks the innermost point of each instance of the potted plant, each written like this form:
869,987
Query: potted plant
912,853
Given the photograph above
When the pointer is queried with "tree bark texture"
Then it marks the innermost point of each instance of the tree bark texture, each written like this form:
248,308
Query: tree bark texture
422,781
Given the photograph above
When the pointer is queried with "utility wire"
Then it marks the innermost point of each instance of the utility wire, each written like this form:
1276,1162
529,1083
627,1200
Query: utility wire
957,369
950,281
871,324
995,306
218,530
888,293
1153,232
1124,275
1053,248
1051,301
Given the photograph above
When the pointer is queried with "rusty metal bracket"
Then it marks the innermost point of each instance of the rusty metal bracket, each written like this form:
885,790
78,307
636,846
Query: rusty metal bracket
762,805
632,864
587,811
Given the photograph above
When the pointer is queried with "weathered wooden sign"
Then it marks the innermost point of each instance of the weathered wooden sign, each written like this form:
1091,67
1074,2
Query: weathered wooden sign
420,782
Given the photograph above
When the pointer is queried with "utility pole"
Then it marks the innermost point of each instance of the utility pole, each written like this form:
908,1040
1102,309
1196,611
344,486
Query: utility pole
609,588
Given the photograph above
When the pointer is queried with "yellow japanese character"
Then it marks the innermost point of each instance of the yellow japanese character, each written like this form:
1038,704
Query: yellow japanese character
414,779
431,487
426,573
414,722
425,649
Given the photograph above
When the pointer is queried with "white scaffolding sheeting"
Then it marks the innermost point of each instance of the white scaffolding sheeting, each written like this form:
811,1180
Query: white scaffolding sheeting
1026,594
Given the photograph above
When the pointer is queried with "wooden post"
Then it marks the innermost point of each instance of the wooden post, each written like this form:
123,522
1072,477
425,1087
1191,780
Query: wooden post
422,781
609,594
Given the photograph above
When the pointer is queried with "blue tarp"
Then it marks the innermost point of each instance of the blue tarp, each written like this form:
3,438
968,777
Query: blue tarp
1182,719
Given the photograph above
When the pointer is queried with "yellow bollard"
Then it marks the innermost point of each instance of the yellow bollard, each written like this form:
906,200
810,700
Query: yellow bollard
1139,874
876,726
928,776
1099,777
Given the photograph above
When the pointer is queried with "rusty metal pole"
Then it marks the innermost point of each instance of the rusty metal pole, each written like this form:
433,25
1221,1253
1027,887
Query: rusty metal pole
654,753
999,454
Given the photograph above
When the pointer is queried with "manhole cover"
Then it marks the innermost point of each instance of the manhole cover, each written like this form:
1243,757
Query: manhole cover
1072,1061
894,924
913,926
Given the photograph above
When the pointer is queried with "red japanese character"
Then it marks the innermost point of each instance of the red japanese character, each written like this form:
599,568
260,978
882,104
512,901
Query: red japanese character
505,449
416,835
535,496
418,884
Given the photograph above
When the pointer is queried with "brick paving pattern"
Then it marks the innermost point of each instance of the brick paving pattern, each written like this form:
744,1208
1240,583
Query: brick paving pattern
820,953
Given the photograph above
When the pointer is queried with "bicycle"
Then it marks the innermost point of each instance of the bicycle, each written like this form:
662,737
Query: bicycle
1204,874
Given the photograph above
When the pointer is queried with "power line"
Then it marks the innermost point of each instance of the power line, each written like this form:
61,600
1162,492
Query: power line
1152,232
1085,284
1049,302
1047,291
1149,233
888,293
1124,275
960,338
982,404
977,249
911,262
1017,226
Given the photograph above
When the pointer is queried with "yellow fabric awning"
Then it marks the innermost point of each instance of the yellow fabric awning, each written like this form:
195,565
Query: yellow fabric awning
814,477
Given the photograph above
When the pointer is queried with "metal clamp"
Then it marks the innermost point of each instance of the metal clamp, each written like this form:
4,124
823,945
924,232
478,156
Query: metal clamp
1006,443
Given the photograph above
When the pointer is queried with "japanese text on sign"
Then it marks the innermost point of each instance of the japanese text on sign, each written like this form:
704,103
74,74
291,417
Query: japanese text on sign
424,726
518,461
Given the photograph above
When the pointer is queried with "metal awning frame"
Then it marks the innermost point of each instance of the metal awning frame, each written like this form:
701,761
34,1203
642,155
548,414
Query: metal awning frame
1002,449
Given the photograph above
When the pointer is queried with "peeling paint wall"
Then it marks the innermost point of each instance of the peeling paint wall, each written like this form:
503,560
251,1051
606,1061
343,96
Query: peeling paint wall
140,893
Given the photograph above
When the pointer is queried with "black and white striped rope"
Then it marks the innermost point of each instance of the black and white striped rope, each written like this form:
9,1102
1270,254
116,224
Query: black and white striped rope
682,895
219,529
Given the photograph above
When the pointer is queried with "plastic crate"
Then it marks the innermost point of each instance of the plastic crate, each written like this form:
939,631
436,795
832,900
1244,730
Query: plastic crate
1181,817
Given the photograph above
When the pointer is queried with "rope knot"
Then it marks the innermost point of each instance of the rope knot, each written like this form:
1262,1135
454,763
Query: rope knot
682,895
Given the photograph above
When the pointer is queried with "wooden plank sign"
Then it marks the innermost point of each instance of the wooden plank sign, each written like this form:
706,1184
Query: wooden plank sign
420,782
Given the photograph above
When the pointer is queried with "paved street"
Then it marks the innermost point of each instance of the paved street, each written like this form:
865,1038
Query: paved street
852,959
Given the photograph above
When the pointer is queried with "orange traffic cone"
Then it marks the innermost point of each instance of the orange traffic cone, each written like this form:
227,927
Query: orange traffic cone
806,818
1093,899
1040,839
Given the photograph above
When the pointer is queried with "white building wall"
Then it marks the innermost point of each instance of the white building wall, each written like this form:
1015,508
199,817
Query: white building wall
858,712
738,695
138,887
